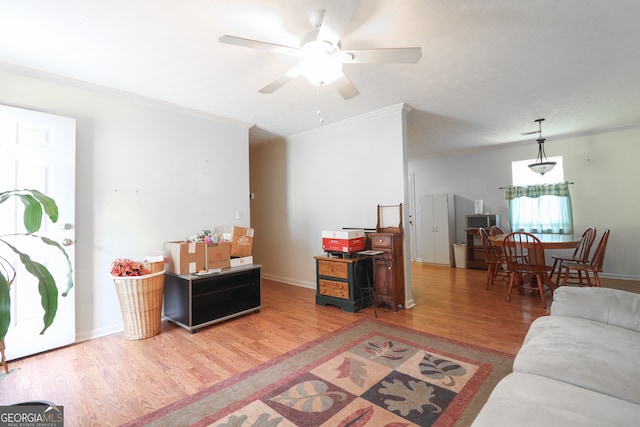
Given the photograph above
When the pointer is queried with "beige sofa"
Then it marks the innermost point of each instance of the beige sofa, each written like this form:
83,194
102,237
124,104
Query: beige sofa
580,366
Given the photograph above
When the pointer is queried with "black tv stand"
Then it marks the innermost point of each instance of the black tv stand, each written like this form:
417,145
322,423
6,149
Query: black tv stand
195,301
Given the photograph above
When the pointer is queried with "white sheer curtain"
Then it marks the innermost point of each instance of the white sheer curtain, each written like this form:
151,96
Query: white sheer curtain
540,208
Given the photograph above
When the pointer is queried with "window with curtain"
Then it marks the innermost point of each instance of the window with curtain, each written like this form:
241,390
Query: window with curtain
536,203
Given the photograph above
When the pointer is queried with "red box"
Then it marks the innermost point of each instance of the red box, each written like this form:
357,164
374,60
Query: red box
343,245
343,241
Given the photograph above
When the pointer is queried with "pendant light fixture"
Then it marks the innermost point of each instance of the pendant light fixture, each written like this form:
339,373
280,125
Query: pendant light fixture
542,165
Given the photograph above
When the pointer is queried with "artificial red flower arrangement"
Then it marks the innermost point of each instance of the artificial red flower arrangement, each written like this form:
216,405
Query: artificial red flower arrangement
125,267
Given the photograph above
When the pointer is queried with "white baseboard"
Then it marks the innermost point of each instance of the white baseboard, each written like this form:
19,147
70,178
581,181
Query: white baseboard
97,333
290,281
619,276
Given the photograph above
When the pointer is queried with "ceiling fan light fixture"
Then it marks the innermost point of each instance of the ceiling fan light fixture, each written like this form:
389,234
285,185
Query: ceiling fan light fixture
541,165
320,65
320,53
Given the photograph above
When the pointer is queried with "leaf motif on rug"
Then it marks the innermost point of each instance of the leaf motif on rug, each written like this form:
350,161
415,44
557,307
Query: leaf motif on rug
361,417
309,396
387,350
436,368
263,421
358,418
415,396
354,370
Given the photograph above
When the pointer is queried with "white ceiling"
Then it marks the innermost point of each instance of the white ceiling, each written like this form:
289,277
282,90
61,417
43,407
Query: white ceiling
488,69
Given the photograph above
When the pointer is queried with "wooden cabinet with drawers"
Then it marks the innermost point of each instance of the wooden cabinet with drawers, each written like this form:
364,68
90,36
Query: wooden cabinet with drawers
388,269
340,282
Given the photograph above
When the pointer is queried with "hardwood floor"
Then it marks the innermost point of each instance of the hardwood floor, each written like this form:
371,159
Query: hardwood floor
109,381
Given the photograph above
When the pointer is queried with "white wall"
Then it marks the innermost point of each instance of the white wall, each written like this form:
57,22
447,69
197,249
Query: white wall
325,179
145,173
603,167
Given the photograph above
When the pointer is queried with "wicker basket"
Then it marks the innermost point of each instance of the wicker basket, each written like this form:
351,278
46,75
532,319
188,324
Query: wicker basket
141,304
154,266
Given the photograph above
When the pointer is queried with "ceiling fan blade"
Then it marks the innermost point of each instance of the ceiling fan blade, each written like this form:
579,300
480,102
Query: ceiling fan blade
278,83
398,55
346,88
335,21
256,44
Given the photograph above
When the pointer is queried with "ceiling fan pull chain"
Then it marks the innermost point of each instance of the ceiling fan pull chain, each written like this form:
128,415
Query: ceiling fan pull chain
318,98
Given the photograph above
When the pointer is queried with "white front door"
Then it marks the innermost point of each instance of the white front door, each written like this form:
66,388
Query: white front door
37,151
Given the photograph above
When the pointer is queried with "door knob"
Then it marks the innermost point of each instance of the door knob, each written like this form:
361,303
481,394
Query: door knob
67,242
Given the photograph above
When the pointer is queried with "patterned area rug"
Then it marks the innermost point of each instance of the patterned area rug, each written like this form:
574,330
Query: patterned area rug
368,373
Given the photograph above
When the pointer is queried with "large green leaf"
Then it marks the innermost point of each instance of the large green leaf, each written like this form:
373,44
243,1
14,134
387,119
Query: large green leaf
5,307
46,286
49,205
48,295
32,212
34,202
53,243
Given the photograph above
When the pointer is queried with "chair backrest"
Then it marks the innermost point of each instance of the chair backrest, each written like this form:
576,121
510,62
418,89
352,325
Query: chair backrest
495,231
598,255
582,251
522,248
489,251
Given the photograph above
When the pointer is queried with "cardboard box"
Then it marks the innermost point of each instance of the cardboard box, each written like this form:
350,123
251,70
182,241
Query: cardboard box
185,257
343,234
237,262
343,241
218,255
241,239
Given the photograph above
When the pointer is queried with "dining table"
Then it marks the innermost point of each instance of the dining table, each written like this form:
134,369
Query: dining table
549,241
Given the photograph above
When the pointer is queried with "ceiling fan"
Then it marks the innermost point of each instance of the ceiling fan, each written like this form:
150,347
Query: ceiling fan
321,53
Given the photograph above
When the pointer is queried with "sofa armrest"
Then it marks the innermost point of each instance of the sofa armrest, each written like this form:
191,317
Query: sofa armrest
612,306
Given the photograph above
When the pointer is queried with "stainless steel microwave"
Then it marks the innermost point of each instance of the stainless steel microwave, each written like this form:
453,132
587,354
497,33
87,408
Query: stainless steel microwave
482,221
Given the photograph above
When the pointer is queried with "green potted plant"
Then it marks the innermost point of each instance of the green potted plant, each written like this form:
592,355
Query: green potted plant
35,204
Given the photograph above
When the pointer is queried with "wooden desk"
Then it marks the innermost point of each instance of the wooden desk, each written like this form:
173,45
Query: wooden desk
549,241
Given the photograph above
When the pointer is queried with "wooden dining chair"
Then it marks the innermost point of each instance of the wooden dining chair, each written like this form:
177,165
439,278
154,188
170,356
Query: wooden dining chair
587,268
525,260
495,231
581,254
494,257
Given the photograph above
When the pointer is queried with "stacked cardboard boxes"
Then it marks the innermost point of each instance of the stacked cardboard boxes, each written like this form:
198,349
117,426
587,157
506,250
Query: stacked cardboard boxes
233,249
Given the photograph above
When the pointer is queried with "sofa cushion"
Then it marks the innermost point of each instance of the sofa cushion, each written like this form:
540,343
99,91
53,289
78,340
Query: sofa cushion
531,400
605,305
585,353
